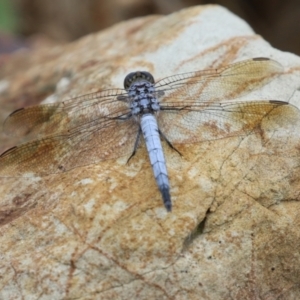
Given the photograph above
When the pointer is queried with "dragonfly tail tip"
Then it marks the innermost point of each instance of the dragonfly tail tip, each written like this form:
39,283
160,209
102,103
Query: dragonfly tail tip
165,191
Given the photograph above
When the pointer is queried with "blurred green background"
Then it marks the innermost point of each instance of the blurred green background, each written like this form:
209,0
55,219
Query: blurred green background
8,18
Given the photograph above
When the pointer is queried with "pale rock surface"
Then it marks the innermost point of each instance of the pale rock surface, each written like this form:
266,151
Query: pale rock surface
101,231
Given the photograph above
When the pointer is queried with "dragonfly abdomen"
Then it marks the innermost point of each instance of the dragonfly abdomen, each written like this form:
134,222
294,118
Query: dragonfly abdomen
151,135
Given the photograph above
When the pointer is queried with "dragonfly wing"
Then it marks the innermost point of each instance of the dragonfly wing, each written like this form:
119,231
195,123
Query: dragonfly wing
221,120
106,139
213,85
50,119
34,120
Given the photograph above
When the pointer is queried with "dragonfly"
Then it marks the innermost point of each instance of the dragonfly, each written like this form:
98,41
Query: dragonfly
185,108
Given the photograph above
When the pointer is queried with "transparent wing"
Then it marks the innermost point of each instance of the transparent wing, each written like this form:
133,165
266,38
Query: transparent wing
88,144
214,85
50,119
200,122
184,89
88,129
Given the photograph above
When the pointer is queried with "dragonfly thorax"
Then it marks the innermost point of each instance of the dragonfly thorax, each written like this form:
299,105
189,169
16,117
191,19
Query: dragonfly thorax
141,93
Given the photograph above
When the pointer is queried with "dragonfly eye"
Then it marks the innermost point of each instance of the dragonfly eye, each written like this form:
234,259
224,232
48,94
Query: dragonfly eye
137,76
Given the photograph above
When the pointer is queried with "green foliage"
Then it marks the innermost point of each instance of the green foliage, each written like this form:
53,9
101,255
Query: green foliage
7,16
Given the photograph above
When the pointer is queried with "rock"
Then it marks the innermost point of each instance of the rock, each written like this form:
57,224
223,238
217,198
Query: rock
101,231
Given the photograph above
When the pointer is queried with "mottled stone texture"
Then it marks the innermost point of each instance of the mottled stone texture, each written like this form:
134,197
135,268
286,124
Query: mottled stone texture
101,231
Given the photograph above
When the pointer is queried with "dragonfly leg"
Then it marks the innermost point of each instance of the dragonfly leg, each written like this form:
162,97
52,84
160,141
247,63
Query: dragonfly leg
123,118
136,144
168,142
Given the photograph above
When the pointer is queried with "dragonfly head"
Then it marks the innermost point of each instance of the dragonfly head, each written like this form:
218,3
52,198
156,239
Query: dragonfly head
137,76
